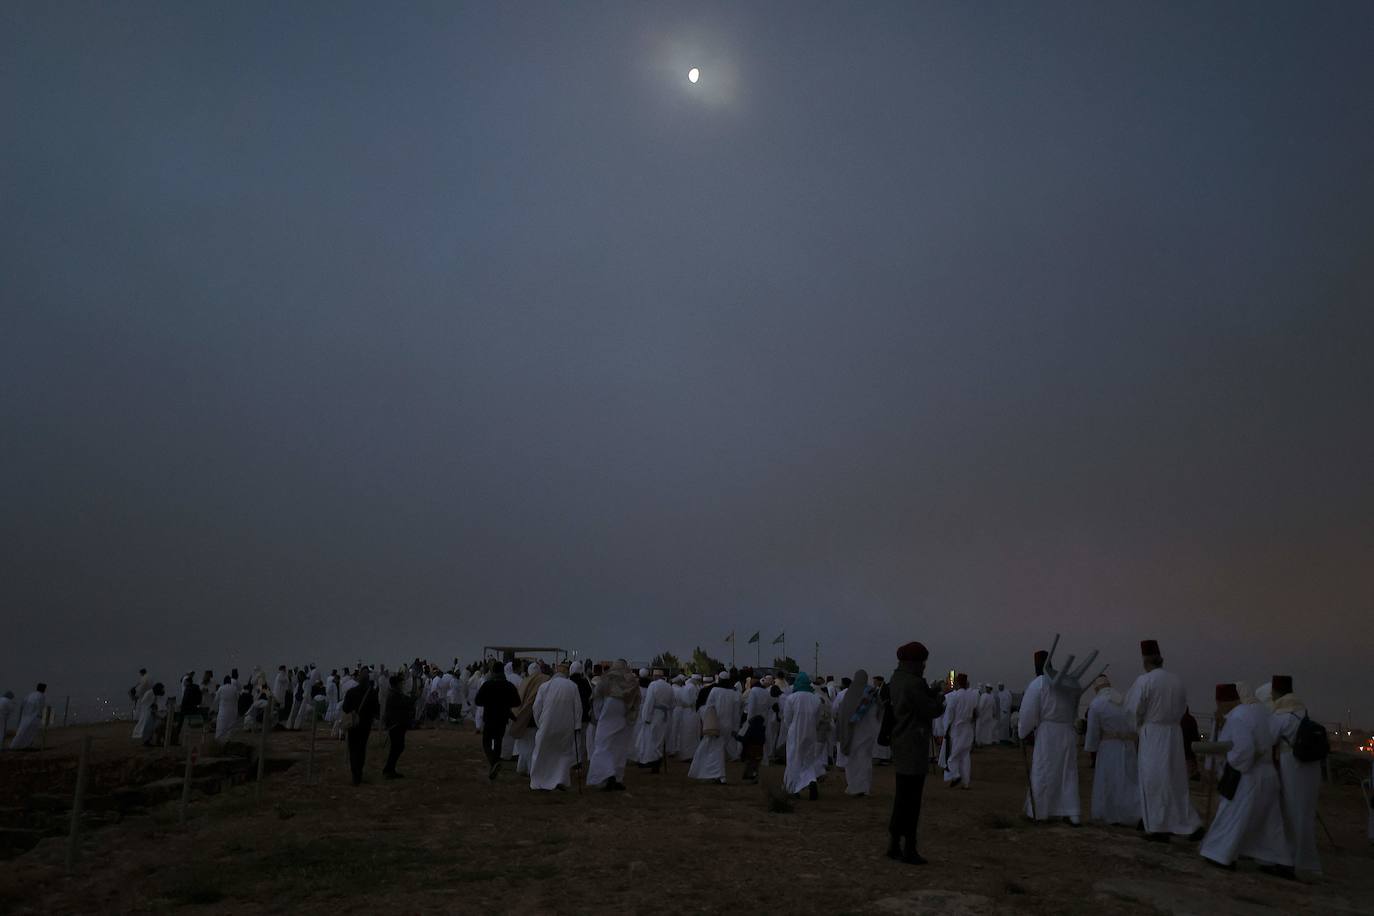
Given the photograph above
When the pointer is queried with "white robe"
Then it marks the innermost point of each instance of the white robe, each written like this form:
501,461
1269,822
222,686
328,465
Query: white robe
858,770
985,730
558,712
688,722
227,710
806,756
1251,824
331,701
1156,703
30,722
654,711
959,709
1111,735
1049,712
146,711
612,745
1004,714
709,760
1300,783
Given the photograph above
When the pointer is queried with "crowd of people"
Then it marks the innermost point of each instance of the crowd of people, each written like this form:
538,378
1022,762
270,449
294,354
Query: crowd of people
566,723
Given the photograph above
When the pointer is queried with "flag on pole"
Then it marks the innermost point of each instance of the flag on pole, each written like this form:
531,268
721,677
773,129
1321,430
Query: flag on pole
755,637
731,637
780,638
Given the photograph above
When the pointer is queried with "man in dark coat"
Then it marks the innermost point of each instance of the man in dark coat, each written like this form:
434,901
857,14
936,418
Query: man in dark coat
361,707
400,709
498,699
914,704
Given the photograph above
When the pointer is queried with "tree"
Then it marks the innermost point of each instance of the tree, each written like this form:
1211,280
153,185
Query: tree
705,664
667,661
786,663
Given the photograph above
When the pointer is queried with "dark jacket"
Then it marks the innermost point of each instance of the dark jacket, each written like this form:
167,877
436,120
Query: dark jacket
584,691
190,699
362,699
497,697
914,704
400,710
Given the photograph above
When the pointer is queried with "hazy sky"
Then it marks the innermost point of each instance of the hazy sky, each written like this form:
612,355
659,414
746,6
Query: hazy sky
390,329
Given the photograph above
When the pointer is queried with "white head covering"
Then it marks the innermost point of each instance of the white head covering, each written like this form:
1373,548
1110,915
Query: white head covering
1246,694
723,674
575,668
643,672
697,678
1265,694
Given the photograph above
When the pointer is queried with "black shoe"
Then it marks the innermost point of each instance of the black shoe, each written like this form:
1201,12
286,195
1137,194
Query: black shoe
1197,835
913,858
1158,837
894,849
561,788
812,792
495,768
613,785
1140,825
1231,867
1280,871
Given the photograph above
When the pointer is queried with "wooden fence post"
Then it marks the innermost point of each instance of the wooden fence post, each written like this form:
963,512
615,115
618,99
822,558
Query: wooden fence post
73,838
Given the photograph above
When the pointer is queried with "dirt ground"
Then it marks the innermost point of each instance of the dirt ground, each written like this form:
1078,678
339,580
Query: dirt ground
447,840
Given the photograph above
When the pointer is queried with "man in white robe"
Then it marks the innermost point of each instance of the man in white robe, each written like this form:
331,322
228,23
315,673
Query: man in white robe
857,725
961,710
558,714
985,732
1300,781
719,714
1156,703
226,708
806,751
1048,712
137,691
688,722
1250,823
145,727
523,725
653,722
30,720
1004,723
616,702
671,743
1111,740
508,742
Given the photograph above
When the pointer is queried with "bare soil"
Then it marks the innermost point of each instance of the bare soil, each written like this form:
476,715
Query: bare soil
447,840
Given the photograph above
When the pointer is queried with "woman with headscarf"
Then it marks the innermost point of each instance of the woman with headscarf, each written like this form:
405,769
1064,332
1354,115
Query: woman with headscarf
615,701
806,751
1111,739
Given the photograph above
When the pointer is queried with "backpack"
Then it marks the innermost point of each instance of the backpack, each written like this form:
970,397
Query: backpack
1310,744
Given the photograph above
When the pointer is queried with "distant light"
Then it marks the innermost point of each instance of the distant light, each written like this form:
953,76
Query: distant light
694,74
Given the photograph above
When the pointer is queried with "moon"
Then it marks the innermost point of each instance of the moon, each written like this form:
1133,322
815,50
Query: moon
694,74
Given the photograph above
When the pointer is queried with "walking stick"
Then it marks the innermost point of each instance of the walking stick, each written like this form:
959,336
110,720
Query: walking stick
577,761
1030,786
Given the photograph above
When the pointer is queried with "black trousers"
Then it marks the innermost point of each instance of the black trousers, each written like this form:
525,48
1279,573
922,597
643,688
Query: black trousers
492,736
906,807
398,744
357,750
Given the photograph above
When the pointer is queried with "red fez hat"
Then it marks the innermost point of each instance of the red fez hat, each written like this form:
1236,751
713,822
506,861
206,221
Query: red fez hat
912,652
1148,647
1281,684
1227,693
1041,656
961,680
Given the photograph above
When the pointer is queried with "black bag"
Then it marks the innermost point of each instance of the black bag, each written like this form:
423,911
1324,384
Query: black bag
1310,744
1228,783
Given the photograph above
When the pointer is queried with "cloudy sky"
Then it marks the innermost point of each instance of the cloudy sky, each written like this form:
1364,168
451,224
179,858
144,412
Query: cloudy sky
336,329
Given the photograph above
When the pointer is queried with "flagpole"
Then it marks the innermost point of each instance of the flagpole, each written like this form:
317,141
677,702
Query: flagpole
818,660
758,648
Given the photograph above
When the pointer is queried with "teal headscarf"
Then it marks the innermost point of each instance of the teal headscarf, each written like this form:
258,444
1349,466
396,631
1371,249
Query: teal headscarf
802,684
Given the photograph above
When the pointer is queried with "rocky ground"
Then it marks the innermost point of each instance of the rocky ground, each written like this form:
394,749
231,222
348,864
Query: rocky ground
445,839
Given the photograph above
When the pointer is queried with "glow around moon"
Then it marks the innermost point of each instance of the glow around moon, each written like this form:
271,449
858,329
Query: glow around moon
694,74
